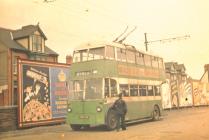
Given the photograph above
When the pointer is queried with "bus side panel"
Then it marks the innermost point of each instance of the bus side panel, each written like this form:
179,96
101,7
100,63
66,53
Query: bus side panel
141,109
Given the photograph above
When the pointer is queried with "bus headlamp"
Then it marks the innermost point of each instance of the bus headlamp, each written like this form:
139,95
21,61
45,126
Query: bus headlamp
69,110
99,109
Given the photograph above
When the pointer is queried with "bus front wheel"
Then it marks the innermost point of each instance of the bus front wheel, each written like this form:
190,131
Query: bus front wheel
75,127
111,121
156,113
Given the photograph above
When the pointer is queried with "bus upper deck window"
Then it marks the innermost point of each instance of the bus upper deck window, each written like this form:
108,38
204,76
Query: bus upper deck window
110,52
76,57
140,58
130,56
121,54
160,62
80,55
155,62
96,53
147,60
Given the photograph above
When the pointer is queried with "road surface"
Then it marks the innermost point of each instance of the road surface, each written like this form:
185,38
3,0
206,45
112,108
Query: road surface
182,124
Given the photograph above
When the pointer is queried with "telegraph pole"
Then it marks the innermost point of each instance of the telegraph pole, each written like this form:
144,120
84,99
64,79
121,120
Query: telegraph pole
145,42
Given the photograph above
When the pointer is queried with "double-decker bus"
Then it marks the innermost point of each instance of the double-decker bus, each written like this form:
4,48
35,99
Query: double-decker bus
100,72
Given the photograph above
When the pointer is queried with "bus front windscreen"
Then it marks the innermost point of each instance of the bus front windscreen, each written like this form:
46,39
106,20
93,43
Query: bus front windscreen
93,89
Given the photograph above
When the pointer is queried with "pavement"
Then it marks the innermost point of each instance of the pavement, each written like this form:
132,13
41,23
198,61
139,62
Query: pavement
36,130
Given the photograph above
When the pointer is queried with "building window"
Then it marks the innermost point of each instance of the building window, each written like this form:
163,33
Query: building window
41,58
38,58
37,43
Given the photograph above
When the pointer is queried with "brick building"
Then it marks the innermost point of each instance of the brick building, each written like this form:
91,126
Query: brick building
26,43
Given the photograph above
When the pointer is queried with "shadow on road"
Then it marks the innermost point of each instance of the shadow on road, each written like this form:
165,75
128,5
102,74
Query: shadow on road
64,128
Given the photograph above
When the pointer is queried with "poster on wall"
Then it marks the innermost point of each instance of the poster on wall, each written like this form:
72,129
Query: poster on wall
58,91
174,94
185,94
166,95
42,92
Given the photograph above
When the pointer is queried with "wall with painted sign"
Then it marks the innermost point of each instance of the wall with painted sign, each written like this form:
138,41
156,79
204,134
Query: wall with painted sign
166,95
200,93
185,94
174,93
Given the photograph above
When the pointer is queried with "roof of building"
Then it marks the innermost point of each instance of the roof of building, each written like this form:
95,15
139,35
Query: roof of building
50,51
179,67
8,36
176,66
168,65
26,31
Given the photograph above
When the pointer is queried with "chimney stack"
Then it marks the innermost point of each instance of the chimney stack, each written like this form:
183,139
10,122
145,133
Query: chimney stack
206,67
69,59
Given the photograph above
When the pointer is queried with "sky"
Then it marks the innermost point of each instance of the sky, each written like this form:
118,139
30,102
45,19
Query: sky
70,23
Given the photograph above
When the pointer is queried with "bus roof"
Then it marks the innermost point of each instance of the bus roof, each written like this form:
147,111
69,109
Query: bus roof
97,44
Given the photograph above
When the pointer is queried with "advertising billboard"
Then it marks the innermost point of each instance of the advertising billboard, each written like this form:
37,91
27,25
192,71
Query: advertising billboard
43,90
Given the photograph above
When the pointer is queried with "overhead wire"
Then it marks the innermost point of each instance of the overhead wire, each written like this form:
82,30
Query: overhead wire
95,9
69,10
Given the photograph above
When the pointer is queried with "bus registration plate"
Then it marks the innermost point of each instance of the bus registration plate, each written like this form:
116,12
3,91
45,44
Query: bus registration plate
84,117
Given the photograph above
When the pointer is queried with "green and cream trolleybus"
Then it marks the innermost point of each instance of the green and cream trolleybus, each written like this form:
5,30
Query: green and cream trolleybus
100,72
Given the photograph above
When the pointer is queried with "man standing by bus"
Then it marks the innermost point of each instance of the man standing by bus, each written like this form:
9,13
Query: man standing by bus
120,108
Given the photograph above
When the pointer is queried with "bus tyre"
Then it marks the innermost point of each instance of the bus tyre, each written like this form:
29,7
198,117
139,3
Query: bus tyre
156,113
111,121
75,127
